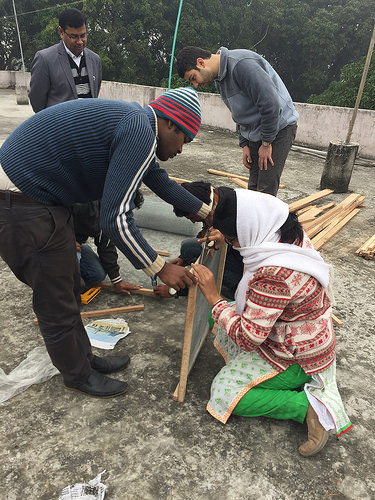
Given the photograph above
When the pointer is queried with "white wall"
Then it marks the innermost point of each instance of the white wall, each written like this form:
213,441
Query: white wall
317,125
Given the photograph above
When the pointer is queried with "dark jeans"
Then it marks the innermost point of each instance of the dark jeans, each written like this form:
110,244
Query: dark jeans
267,181
38,244
91,268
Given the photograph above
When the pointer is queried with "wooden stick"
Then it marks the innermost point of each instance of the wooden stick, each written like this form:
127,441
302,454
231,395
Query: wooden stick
239,182
163,253
139,291
235,176
293,207
114,310
337,321
107,312
178,180
227,174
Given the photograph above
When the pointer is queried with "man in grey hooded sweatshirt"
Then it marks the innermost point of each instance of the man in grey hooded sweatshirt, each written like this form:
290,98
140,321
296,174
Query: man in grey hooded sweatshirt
259,102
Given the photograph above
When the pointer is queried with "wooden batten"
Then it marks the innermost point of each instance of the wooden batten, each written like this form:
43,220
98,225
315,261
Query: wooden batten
227,174
342,209
303,202
332,229
367,250
107,312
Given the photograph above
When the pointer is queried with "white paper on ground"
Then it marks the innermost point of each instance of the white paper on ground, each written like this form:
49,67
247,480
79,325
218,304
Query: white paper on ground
105,333
93,490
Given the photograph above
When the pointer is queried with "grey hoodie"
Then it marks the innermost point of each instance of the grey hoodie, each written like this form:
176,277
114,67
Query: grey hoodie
255,94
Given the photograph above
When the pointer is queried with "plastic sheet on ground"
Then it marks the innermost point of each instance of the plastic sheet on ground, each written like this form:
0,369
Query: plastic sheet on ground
36,368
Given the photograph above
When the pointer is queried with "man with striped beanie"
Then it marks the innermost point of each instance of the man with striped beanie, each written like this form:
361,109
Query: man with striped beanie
182,107
46,167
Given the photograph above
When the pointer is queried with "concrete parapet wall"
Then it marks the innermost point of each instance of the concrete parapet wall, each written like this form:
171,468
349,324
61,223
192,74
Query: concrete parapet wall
13,79
317,125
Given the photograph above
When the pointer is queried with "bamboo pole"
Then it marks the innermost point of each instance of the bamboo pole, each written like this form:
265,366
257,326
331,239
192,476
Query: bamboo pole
361,86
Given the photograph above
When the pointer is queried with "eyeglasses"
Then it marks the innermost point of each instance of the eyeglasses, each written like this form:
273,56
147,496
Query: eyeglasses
76,37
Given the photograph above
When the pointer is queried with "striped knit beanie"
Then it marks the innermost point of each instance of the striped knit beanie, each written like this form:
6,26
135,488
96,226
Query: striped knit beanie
182,107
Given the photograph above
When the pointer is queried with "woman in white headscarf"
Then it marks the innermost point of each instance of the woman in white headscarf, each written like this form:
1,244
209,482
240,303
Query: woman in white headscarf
279,338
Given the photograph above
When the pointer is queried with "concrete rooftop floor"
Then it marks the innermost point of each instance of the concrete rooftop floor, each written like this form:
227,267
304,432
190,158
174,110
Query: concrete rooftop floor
155,448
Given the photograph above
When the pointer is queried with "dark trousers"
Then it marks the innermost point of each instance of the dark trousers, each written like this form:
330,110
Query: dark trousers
267,181
38,244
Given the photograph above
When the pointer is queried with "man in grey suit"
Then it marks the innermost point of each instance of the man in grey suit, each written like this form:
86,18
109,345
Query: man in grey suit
67,70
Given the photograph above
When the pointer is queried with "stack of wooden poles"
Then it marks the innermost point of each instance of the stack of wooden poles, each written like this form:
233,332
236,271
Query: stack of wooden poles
367,250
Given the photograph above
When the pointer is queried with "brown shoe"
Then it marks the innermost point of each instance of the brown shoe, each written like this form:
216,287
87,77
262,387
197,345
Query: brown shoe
317,436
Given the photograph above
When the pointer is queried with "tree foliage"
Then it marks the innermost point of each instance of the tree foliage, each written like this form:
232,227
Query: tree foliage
307,41
344,92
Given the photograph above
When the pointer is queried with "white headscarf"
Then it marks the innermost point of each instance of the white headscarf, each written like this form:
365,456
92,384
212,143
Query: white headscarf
259,218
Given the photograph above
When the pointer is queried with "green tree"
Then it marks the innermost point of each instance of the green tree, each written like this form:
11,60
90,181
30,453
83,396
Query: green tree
307,41
344,92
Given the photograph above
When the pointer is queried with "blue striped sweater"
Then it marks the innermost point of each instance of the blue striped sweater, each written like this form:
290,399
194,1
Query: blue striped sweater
84,150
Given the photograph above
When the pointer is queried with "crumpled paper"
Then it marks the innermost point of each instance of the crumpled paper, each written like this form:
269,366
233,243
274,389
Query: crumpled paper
93,490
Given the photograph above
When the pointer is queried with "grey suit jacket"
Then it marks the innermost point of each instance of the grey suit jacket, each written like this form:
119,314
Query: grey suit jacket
52,80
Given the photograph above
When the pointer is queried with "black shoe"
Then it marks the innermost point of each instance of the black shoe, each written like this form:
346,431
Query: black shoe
109,363
99,385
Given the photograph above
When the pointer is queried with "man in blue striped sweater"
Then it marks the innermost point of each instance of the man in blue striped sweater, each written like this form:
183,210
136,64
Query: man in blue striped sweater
80,151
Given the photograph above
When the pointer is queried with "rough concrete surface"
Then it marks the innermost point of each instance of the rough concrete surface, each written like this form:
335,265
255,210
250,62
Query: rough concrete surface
155,448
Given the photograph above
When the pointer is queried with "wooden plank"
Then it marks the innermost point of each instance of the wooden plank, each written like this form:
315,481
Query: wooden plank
107,312
309,215
196,324
367,246
297,205
305,209
187,342
332,229
325,207
343,208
